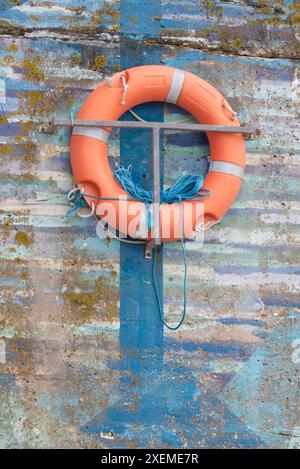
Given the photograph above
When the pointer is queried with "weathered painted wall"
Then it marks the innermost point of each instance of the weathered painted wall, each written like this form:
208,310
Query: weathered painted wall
227,377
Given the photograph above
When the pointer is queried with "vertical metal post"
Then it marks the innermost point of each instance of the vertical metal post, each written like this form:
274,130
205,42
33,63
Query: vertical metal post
156,185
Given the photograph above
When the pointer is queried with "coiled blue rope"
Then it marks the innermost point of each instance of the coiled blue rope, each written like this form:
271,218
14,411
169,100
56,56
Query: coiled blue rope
187,187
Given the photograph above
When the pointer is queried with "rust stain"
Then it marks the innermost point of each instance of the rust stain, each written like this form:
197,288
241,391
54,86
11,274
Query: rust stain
23,238
75,59
13,47
237,43
31,65
100,62
5,149
83,304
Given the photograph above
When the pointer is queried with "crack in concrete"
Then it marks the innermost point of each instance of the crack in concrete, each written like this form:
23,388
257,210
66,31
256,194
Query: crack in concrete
112,37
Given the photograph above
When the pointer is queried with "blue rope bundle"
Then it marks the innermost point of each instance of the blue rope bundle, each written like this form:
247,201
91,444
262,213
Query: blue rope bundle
185,188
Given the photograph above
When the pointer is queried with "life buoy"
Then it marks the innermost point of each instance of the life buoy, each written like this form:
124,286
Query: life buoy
89,156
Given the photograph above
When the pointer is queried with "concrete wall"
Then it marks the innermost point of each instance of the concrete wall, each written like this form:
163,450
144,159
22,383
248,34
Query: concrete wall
228,377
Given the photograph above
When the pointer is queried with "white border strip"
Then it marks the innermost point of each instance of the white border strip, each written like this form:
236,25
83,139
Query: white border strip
93,132
227,168
176,86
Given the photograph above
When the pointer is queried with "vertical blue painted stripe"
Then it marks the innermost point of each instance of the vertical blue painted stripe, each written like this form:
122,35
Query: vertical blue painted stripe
141,331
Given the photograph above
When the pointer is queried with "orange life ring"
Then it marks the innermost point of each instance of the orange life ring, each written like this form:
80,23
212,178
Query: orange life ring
89,157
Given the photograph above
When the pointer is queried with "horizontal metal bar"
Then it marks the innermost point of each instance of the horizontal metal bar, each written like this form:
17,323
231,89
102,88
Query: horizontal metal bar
157,125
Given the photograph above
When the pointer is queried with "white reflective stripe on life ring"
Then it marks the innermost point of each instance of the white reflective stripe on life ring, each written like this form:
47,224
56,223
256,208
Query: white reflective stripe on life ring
93,132
227,168
176,86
